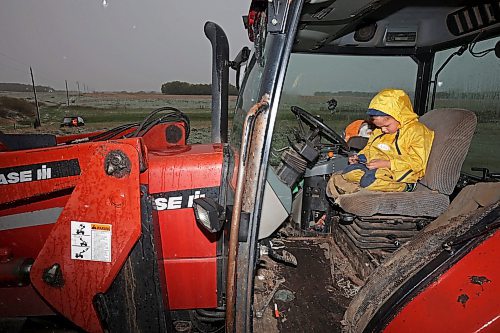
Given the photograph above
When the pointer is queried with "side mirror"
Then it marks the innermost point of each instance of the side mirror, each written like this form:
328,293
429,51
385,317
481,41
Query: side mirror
497,49
240,59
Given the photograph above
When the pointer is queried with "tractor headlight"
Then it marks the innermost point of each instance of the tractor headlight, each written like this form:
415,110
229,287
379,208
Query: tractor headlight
208,213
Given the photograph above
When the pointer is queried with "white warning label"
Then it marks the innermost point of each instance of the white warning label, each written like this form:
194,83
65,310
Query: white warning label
90,241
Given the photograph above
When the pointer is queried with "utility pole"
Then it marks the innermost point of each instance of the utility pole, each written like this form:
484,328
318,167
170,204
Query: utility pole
67,94
78,85
37,120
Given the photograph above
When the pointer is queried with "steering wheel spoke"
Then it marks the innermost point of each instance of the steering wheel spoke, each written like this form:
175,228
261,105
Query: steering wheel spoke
316,125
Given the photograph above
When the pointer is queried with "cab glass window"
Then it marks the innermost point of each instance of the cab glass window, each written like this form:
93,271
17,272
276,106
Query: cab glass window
314,80
471,81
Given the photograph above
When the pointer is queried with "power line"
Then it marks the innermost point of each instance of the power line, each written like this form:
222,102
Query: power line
13,59
43,77
38,71
13,67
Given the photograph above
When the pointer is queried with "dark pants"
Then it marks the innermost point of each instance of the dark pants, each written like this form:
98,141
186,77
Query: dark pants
367,179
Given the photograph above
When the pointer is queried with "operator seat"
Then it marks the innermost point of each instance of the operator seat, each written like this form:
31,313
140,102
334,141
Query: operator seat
356,143
453,131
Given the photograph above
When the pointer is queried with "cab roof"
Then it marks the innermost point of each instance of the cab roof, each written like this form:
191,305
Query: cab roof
394,27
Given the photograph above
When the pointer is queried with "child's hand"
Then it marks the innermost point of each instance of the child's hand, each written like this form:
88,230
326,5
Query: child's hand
353,159
378,164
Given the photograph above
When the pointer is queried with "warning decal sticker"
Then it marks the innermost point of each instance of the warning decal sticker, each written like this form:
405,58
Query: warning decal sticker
90,241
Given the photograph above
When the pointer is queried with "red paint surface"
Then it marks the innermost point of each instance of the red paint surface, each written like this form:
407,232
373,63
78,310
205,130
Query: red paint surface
19,191
174,168
27,242
182,237
436,309
185,167
191,283
154,138
97,198
40,205
190,251
22,301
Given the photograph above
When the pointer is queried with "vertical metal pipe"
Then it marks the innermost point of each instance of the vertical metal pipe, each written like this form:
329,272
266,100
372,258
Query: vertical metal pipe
220,80
235,220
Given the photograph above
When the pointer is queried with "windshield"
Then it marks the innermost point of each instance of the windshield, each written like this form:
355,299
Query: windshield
249,95
313,80
469,82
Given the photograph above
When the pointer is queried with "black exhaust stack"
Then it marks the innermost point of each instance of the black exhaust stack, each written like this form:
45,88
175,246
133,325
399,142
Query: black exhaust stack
220,80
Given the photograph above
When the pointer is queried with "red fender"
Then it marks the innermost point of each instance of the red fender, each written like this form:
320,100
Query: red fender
464,299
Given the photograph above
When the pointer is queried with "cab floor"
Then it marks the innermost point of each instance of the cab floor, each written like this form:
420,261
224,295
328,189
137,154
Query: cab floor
321,286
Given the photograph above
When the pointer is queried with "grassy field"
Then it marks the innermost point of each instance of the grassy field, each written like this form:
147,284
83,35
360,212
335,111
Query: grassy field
107,110
484,150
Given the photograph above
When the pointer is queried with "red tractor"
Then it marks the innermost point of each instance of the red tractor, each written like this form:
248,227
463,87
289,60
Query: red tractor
136,230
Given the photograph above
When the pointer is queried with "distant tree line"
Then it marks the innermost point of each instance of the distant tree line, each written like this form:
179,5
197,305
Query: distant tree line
20,87
345,93
185,88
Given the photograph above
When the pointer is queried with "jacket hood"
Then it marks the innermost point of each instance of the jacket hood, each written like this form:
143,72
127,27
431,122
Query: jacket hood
396,103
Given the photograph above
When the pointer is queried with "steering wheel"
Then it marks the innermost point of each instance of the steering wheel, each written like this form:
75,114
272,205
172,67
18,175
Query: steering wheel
315,124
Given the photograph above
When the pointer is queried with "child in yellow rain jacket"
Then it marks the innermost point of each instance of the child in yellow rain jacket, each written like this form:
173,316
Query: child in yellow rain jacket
396,154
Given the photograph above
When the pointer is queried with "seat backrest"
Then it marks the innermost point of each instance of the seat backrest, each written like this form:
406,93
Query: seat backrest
453,131
357,142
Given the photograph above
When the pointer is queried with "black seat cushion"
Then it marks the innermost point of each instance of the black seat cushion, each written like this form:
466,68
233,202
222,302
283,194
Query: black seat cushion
27,141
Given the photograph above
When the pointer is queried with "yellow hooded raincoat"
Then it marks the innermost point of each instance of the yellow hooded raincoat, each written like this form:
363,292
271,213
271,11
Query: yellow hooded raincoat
408,149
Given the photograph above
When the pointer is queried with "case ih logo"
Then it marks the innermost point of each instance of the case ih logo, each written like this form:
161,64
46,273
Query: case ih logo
182,199
42,171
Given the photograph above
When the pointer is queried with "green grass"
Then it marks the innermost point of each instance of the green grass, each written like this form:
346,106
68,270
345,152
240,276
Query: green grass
102,111
107,111
484,150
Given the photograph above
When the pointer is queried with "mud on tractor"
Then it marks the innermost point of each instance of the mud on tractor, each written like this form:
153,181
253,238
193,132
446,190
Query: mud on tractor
134,229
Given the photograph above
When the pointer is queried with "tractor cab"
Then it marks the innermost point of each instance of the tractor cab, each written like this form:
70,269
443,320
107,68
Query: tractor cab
307,55
137,229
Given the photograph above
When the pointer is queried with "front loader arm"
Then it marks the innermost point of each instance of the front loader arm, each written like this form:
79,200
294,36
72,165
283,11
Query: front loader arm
94,234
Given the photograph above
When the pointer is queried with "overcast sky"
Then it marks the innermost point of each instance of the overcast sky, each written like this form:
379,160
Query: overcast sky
137,45
116,44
